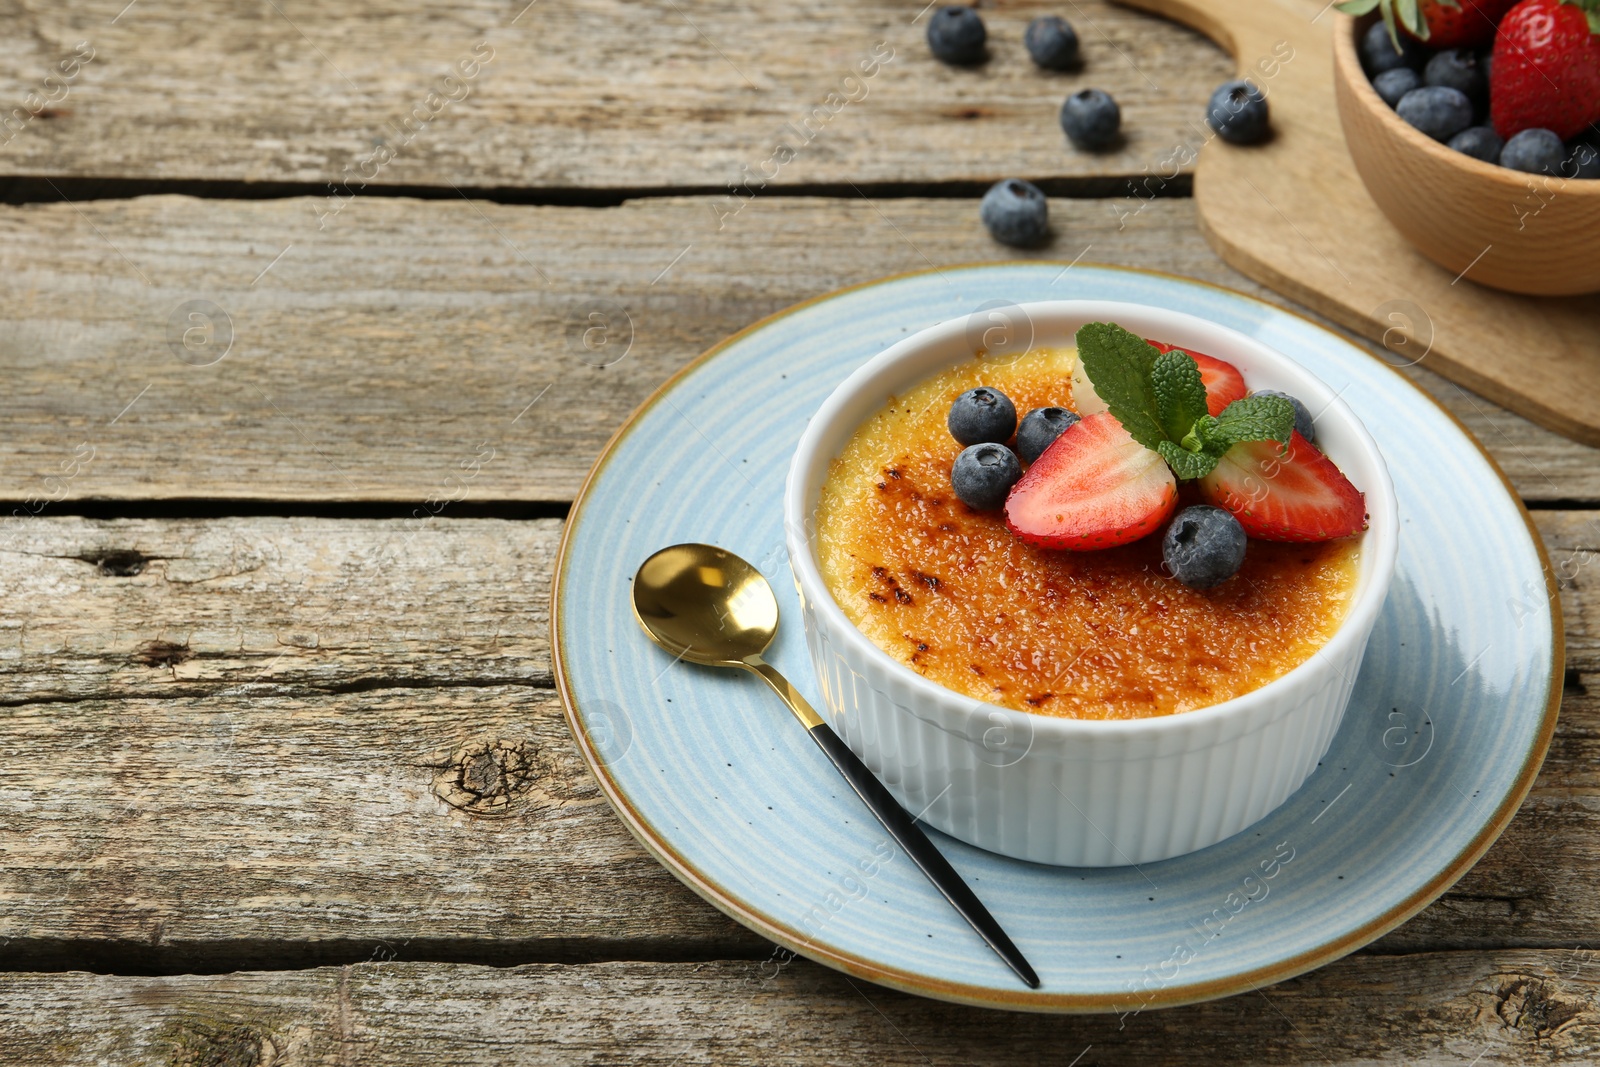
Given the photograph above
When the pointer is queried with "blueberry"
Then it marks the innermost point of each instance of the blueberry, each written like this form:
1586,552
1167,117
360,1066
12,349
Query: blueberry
956,35
1091,119
1583,160
1393,84
1204,546
982,414
1437,110
1238,112
1039,428
1459,68
1479,142
1052,43
1302,414
1015,213
1378,53
983,474
1535,151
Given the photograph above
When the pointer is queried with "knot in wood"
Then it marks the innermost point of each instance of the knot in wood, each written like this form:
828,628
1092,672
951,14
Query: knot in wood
221,1044
1533,1009
488,777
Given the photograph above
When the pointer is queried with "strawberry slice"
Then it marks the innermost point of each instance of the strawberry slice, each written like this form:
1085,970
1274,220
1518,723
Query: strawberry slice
1224,383
1300,496
1094,487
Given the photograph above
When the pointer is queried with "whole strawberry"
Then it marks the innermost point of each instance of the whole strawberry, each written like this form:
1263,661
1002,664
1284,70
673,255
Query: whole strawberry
1442,23
1546,68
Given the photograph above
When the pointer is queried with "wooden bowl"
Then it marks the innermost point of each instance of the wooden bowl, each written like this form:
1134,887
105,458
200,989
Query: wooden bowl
1527,233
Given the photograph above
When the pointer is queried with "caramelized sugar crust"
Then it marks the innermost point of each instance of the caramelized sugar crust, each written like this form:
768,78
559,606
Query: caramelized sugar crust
1091,635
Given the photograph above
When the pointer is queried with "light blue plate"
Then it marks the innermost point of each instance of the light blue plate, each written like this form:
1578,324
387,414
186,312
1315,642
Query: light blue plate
1451,716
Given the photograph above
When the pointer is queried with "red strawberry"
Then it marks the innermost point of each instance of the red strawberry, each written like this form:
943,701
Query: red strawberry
1224,383
1300,496
1465,25
1094,487
1545,73
1442,23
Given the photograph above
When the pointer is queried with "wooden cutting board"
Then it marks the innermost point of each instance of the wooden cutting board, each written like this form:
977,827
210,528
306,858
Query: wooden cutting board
1293,215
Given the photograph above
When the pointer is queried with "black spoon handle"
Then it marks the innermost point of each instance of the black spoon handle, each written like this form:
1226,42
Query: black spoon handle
904,829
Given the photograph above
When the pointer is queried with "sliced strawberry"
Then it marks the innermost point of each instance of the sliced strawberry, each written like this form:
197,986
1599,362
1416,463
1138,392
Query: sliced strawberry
1300,496
1094,487
1224,383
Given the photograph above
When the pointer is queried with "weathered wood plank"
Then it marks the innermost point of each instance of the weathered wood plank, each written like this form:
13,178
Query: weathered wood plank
162,607
276,646
249,828
390,356
592,94
1510,1007
159,607
259,830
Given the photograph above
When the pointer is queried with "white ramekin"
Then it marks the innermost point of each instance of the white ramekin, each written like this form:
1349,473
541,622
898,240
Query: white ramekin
1068,791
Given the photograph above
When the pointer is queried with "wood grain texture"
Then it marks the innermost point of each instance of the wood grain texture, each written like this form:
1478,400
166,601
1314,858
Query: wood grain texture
1466,215
285,605
260,830
593,94
1293,214
1509,1007
104,609
393,355
281,742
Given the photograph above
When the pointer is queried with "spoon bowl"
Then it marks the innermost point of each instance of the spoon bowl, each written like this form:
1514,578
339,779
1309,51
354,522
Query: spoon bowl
705,604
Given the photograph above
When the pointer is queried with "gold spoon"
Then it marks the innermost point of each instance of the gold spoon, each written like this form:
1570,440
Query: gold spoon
708,606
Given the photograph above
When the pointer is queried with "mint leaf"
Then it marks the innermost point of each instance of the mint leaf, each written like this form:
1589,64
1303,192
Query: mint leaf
1254,418
1188,465
1180,392
1118,364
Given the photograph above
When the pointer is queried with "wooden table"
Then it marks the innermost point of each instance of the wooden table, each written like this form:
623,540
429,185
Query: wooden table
284,777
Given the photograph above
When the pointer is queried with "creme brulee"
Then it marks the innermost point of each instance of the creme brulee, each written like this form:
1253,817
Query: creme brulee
949,592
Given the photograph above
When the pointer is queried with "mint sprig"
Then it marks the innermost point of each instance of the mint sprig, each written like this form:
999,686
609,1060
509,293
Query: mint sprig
1124,363
1180,392
1160,399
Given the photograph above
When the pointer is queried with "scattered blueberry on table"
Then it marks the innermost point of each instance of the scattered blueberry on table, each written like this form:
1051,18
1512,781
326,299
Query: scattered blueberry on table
1053,43
1479,142
1039,428
1238,113
983,474
1303,423
1091,119
1437,110
1015,212
956,35
1534,151
982,415
1204,546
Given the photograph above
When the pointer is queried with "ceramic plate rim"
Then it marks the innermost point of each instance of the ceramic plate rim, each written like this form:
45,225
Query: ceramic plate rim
985,996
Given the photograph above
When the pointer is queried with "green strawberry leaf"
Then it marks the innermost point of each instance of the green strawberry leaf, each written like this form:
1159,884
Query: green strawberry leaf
1187,465
1411,18
1254,418
1180,392
1119,365
1591,12
1357,7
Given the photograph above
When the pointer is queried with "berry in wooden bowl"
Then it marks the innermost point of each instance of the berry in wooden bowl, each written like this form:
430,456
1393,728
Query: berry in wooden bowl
1498,226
